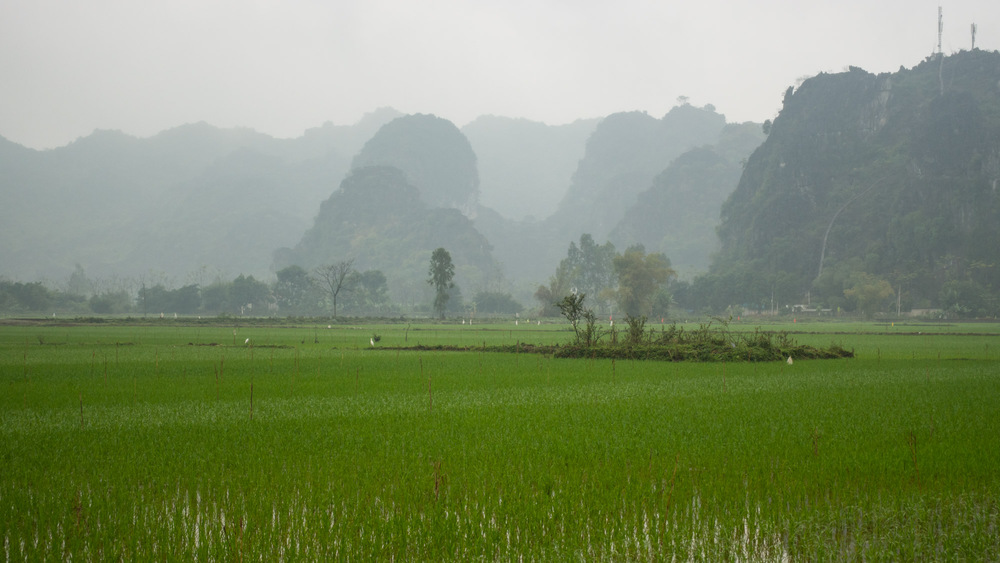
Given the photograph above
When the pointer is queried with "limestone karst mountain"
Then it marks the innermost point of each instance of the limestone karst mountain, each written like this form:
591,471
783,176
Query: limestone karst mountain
868,179
378,219
434,155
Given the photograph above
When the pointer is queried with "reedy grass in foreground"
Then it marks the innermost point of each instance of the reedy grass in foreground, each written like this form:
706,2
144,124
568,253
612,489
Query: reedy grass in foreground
876,458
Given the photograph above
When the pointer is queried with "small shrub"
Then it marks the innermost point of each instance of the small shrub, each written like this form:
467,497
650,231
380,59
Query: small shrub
636,333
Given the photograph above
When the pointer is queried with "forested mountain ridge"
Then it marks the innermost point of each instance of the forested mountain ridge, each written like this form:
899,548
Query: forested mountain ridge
865,180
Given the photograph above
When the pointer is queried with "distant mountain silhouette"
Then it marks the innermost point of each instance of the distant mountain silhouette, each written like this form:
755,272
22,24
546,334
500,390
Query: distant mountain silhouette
435,156
623,155
525,167
187,201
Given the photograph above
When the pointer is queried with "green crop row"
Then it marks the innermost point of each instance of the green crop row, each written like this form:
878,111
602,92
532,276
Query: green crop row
172,442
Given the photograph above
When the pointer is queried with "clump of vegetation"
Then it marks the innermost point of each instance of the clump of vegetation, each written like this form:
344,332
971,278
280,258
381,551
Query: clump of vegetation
705,344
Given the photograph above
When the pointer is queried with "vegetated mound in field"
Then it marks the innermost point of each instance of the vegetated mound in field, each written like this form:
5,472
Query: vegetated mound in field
703,352
676,345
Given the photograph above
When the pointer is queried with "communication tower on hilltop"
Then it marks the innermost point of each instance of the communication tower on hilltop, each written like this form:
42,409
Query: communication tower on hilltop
973,37
940,28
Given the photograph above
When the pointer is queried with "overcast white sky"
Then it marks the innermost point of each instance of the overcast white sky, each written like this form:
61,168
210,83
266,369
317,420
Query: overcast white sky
68,67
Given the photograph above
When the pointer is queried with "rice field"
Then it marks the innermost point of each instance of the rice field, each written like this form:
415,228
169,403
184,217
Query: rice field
262,442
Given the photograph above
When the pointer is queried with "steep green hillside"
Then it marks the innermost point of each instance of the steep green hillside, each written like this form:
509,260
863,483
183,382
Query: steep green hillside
624,154
865,179
378,218
679,213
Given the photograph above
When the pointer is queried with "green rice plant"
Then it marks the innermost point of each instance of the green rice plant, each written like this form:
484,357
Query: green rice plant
547,458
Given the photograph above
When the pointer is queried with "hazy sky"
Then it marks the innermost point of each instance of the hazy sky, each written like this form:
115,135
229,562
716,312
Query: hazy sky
68,67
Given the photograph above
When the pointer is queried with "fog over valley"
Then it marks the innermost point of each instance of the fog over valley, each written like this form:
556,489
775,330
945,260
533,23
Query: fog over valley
499,280
298,159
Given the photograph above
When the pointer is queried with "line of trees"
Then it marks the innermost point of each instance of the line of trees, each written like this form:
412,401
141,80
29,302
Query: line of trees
633,283
334,288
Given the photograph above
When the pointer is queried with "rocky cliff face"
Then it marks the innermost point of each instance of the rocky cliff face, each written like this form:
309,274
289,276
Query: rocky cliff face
884,175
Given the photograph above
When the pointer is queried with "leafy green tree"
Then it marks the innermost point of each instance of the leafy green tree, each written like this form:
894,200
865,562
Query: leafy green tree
966,299
636,329
571,307
549,296
159,299
838,275
247,293
155,299
441,272
662,302
79,283
587,269
31,296
456,302
870,293
591,265
370,290
591,332
215,297
111,302
294,289
187,299
640,277
496,302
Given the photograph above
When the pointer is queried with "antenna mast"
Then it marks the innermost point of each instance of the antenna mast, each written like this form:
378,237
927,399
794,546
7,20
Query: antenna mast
973,37
940,28
940,53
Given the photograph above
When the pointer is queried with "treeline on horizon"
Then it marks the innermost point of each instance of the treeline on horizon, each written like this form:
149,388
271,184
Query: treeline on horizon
632,283
295,292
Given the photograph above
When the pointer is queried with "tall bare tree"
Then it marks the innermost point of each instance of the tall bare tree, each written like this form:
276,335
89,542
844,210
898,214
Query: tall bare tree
334,278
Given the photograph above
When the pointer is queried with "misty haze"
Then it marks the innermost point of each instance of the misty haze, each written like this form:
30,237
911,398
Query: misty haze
858,191
495,281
